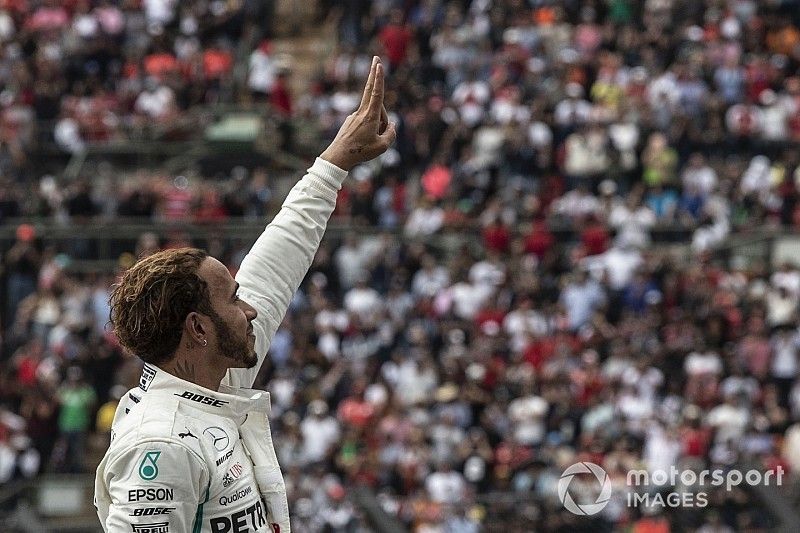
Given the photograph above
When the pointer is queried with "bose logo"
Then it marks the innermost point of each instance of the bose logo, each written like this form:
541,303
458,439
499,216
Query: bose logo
152,511
199,398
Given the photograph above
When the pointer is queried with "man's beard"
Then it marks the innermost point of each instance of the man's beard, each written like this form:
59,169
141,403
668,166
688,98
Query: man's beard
232,346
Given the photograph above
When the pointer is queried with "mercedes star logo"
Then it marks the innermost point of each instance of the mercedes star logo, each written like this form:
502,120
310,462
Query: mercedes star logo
218,437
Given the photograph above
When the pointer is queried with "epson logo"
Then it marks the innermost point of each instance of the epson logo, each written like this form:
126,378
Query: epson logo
224,457
199,398
236,496
152,511
160,527
150,495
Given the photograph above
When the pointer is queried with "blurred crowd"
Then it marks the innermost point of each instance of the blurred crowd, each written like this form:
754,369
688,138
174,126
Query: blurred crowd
82,72
446,382
438,382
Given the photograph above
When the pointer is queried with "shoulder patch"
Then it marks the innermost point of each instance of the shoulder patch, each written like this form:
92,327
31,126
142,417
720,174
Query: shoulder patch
148,373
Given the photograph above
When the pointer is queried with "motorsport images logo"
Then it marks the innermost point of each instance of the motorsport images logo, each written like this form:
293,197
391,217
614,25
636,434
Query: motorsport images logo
658,488
586,509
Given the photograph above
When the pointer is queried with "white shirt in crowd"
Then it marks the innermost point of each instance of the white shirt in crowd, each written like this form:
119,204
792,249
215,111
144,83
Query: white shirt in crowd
729,421
698,363
415,383
466,299
424,221
787,279
319,433
364,302
518,324
159,11
633,223
618,263
262,72
784,355
349,260
661,449
703,178
488,273
428,282
527,415
155,104
471,98
577,203
446,487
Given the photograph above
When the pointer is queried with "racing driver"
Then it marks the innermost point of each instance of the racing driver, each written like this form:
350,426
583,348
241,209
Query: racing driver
191,449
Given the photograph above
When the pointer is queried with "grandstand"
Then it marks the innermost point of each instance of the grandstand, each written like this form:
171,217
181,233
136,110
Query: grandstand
582,248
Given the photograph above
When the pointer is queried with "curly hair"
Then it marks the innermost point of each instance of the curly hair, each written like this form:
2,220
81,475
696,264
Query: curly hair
152,300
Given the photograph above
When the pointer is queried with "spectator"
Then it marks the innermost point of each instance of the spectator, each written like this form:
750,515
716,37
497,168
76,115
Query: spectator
77,399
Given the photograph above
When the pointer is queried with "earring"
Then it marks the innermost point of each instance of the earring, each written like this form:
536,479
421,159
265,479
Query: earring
205,342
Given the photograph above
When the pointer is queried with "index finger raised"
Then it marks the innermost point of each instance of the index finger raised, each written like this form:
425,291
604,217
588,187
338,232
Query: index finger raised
370,83
376,96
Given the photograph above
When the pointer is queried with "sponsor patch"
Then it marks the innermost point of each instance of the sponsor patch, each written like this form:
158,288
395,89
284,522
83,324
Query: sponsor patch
148,373
232,474
225,457
152,511
199,398
187,433
148,469
150,495
218,437
236,496
250,519
159,527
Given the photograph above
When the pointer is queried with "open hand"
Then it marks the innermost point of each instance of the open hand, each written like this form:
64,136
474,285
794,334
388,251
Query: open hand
366,133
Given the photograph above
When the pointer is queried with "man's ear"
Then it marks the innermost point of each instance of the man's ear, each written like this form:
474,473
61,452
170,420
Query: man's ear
195,327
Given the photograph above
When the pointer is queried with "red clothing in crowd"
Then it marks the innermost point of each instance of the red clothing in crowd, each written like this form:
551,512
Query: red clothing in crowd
540,240
216,63
395,39
595,238
160,64
356,412
280,98
496,237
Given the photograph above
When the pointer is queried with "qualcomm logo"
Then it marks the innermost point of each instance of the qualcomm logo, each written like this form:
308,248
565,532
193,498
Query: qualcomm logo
586,509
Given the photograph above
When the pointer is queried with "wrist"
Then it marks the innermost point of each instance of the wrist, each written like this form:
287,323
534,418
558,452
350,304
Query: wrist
336,157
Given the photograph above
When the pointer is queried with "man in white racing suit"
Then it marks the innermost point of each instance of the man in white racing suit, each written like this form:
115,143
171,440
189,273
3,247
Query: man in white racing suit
191,449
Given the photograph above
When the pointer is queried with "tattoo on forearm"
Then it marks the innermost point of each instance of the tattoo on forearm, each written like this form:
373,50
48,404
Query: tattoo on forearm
359,150
185,370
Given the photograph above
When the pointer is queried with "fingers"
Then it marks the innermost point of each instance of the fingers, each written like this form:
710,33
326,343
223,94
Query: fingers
370,82
376,98
384,122
388,136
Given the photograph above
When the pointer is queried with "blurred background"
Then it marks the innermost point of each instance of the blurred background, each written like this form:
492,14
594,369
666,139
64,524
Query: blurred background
582,247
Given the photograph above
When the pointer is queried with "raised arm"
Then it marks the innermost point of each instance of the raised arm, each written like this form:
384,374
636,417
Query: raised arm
273,269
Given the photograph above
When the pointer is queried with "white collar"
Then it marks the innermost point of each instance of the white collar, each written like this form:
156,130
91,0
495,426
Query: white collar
228,401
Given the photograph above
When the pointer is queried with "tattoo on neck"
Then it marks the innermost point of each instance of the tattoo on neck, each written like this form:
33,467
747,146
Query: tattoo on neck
185,370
